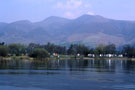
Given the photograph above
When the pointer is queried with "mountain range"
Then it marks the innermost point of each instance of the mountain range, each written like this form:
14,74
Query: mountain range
86,29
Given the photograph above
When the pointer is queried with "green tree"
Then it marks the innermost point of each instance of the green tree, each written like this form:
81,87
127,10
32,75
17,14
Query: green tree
17,49
2,43
129,51
39,53
110,49
78,48
100,49
71,50
4,50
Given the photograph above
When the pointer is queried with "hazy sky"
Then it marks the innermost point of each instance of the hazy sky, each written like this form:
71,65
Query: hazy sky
36,10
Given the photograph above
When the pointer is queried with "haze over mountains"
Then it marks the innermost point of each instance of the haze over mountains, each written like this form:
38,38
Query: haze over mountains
87,29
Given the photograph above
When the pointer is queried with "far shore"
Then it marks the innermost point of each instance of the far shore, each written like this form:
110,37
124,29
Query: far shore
62,58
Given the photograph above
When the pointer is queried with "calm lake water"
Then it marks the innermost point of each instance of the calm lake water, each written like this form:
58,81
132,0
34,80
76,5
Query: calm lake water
67,75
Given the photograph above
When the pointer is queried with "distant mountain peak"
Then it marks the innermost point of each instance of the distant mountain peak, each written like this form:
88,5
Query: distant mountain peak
92,18
54,18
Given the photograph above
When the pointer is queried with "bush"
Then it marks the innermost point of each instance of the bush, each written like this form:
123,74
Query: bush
39,53
4,50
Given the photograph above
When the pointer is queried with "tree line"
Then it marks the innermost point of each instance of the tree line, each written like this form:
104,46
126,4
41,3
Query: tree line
46,50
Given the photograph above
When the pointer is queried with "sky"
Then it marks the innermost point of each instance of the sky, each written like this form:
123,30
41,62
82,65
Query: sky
37,10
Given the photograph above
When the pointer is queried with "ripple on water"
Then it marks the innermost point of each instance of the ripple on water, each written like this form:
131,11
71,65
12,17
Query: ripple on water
19,88
124,87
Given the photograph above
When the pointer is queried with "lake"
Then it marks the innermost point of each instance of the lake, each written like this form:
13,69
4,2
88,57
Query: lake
67,75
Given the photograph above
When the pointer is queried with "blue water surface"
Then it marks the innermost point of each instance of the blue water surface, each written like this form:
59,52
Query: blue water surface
67,75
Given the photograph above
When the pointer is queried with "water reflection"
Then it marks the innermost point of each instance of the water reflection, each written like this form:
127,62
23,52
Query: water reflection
70,65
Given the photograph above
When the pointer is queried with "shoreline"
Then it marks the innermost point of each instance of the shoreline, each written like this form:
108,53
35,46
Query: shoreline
113,58
62,58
